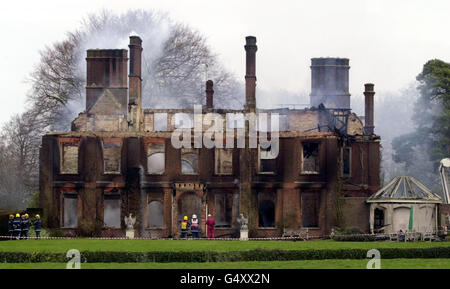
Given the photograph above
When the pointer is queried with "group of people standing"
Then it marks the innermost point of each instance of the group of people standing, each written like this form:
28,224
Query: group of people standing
194,226
19,226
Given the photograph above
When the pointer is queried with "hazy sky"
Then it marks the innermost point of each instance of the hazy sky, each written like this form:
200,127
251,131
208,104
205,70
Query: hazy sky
387,43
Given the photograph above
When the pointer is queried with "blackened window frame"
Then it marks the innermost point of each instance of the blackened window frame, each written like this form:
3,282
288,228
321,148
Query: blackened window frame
303,197
71,142
62,208
349,154
275,160
228,205
194,151
112,140
112,194
147,144
216,151
161,201
273,200
301,156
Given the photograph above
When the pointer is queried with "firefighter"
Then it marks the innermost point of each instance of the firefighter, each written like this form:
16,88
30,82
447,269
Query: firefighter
37,226
10,226
210,223
17,224
25,226
194,226
184,227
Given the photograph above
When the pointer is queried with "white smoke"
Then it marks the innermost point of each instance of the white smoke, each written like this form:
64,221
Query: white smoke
113,32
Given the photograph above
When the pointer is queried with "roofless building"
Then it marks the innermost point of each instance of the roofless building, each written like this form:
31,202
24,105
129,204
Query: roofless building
119,158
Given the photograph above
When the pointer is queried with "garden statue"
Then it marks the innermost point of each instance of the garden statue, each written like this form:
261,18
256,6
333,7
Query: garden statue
243,222
129,222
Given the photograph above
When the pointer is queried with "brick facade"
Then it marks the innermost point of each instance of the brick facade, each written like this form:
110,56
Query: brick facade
275,196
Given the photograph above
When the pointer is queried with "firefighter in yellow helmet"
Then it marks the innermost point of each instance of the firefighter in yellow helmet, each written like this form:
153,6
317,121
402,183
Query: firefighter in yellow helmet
37,226
25,226
184,227
17,224
10,226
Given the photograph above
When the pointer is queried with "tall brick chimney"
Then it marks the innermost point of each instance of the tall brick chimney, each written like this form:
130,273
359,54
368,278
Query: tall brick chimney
368,109
250,75
209,94
107,75
329,82
135,84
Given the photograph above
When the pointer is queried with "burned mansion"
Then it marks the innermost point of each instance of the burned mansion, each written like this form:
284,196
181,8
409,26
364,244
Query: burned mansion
119,158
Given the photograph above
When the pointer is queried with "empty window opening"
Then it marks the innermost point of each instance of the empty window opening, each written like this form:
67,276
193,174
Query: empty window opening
235,120
223,204
223,161
272,122
156,158
70,211
155,214
266,210
310,158
160,122
184,120
379,219
111,157
310,210
189,161
188,204
111,211
69,158
346,162
267,160
264,122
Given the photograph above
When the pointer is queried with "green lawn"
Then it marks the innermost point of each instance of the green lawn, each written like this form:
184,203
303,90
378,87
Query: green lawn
303,264
197,245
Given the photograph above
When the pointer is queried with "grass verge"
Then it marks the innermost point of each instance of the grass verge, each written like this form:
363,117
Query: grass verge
299,264
62,246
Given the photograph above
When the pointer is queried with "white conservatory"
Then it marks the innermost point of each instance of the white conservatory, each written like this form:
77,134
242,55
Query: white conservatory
406,205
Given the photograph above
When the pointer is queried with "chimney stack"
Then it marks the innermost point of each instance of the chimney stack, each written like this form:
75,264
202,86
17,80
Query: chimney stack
135,84
329,82
106,70
369,110
209,94
250,75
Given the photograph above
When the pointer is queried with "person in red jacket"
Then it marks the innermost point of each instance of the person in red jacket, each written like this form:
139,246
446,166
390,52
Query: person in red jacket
210,223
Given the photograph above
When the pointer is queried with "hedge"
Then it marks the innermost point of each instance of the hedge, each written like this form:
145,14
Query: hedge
356,238
212,256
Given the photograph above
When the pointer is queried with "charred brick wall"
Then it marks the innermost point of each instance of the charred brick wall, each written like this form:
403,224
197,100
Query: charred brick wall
135,185
296,194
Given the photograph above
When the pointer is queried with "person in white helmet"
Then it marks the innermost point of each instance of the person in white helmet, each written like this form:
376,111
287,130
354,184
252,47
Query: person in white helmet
195,225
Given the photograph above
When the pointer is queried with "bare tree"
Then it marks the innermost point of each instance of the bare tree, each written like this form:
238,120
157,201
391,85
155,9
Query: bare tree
55,81
176,64
19,160
182,69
